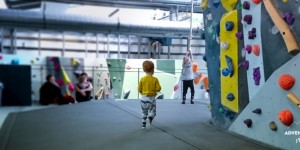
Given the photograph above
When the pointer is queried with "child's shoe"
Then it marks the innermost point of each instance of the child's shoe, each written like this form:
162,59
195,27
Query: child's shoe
144,125
192,102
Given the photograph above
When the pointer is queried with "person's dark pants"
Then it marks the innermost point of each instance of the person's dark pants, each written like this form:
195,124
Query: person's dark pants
188,84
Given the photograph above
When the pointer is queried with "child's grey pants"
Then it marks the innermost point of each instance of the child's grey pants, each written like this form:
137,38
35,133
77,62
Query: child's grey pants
148,105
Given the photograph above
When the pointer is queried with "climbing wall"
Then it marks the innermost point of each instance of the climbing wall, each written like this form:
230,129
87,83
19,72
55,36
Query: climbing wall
66,72
115,75
272,100
213,11
253,52
229,60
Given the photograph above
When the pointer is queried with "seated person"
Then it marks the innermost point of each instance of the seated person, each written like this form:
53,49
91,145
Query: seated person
50,93
83,89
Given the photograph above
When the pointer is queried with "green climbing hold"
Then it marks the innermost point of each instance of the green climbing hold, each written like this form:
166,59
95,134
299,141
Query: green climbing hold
239,6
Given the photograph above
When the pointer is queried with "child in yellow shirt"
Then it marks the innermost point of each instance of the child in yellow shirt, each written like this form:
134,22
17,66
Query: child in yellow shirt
148,87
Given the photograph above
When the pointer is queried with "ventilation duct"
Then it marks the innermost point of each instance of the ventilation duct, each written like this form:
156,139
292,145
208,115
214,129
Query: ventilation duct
80,23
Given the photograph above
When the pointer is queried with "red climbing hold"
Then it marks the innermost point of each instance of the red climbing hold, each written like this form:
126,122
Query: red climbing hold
286,117
176,87
128,67
256,1
286,81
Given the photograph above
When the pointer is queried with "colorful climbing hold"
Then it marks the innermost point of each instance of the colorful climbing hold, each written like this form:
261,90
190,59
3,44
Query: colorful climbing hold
216,3
294,99
71,87
246,5
244,64
289,18
221,110
56,67
176,87
60,82
15,61
273,126
286,81
256,49
52,59
225,72
32,62
204,4
195,67
252,33
239,35
65,76
224,45
239,6
256,1
248,48
274,29
248,122
286,117
284,1
128,67
230,97
114,78
1,56
248,19
229,25
256,75
257,111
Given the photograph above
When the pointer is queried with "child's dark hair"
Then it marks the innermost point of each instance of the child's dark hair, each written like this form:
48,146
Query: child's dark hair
148,66
48,77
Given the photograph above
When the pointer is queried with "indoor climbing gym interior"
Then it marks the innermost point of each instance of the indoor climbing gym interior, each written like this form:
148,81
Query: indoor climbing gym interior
149,74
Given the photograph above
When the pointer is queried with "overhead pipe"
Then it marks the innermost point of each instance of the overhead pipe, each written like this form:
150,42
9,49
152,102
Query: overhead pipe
83,23
184,5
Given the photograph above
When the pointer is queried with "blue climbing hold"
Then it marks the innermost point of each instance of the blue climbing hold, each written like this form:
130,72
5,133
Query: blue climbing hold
225,72
230,97
15,61
229,26
221,110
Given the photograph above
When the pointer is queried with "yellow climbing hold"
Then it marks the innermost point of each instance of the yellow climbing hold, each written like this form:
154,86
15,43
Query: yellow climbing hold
65,75
74,62
229,5
285,1
204,4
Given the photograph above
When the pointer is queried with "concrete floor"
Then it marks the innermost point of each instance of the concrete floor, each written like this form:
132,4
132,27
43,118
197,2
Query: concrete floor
116,125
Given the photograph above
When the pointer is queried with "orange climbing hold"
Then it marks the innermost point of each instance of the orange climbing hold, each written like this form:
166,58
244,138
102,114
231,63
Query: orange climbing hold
195,67
286,81
286,117
205,82
198,79
256,1
256,49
